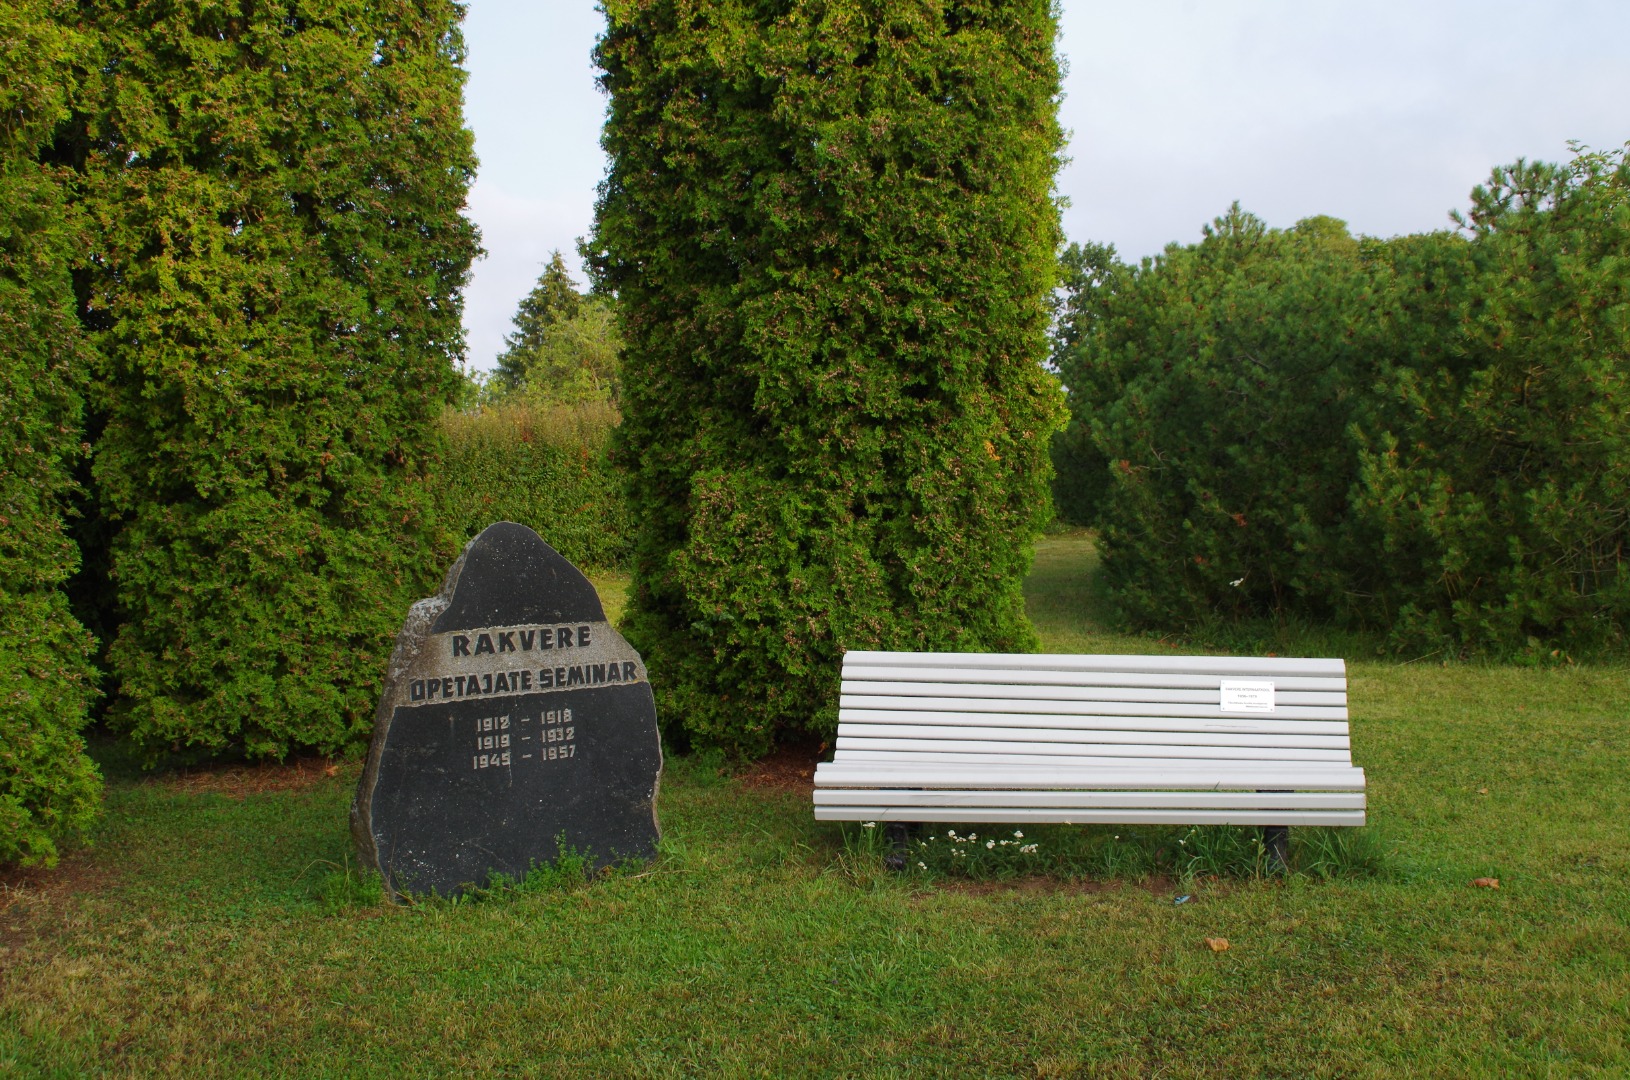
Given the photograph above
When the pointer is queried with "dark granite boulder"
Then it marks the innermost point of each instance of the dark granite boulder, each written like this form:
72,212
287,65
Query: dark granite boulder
515,723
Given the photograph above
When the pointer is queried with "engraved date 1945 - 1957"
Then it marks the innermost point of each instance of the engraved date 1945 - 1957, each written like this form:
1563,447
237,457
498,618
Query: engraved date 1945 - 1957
556,736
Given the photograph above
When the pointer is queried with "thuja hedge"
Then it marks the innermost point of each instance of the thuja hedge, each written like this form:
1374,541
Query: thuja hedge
1426,436
545,466
49,790
830,229
274,294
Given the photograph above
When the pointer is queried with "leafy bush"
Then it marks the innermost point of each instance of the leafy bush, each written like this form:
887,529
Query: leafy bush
1215,385
830,231
1496,464
1427,436
49,790
275,296
544,466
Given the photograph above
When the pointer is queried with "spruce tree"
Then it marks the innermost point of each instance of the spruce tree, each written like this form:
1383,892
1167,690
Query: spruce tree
554,299
830,228
49,789
275,297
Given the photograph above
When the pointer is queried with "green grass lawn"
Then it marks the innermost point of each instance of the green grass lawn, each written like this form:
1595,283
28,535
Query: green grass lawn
209,932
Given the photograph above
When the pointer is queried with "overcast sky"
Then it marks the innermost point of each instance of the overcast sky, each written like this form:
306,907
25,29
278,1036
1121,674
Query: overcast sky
1382,112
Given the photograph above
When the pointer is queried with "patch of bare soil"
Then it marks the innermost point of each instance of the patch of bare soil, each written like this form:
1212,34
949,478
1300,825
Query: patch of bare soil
26,892
790,767
238,780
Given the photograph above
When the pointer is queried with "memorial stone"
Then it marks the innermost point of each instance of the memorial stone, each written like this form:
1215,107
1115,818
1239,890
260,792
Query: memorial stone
515,723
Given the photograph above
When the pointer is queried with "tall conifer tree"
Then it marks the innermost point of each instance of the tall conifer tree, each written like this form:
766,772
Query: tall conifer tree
275,295
48,788
830,228
554,299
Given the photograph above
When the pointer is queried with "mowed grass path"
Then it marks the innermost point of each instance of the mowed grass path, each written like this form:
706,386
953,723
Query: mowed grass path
191,940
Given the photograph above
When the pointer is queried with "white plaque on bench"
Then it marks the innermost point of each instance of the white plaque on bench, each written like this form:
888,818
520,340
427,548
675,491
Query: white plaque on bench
1247,695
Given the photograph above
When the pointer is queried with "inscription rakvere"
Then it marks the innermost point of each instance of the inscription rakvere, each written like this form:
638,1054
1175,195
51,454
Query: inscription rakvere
508,660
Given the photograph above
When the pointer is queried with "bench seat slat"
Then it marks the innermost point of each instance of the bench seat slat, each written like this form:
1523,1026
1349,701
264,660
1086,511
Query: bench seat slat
1027,815
1148,800
1160,695
1078,708
889,757
1103,679
1167,777
1232,666
1214,753
1094,736
1239,725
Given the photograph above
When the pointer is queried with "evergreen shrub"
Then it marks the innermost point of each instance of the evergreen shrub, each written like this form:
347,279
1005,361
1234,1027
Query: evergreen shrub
49,790
547,467
830,230
1215,384
1496,465
1427,436
275,296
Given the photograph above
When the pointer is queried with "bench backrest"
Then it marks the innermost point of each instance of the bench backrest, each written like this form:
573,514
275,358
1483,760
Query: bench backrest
992,708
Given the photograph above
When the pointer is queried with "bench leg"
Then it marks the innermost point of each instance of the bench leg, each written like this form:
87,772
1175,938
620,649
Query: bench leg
1276,840
899,834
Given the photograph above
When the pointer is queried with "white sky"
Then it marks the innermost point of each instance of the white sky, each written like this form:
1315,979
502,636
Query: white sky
1381,112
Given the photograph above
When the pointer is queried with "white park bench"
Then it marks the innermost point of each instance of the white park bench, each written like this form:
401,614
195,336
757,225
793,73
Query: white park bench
997,738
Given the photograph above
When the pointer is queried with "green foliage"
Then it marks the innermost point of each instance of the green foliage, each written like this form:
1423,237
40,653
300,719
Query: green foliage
1215,383
275,294
576,358
1088,274
830,232
553,299
547,467
1428,436
343,887
1496,466
564,350
49,790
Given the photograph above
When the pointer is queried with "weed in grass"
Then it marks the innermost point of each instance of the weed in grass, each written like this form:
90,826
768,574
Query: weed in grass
1225,852
567,872
997,856
1333,853
1132,853
343,887
703,768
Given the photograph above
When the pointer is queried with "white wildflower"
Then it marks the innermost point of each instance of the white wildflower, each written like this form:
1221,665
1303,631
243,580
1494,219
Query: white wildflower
990,845
868,824
1017,835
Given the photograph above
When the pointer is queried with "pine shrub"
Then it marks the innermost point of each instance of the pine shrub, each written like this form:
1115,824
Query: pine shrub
1496,466
1428,437
830,230
1216,384
274,292
49,790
